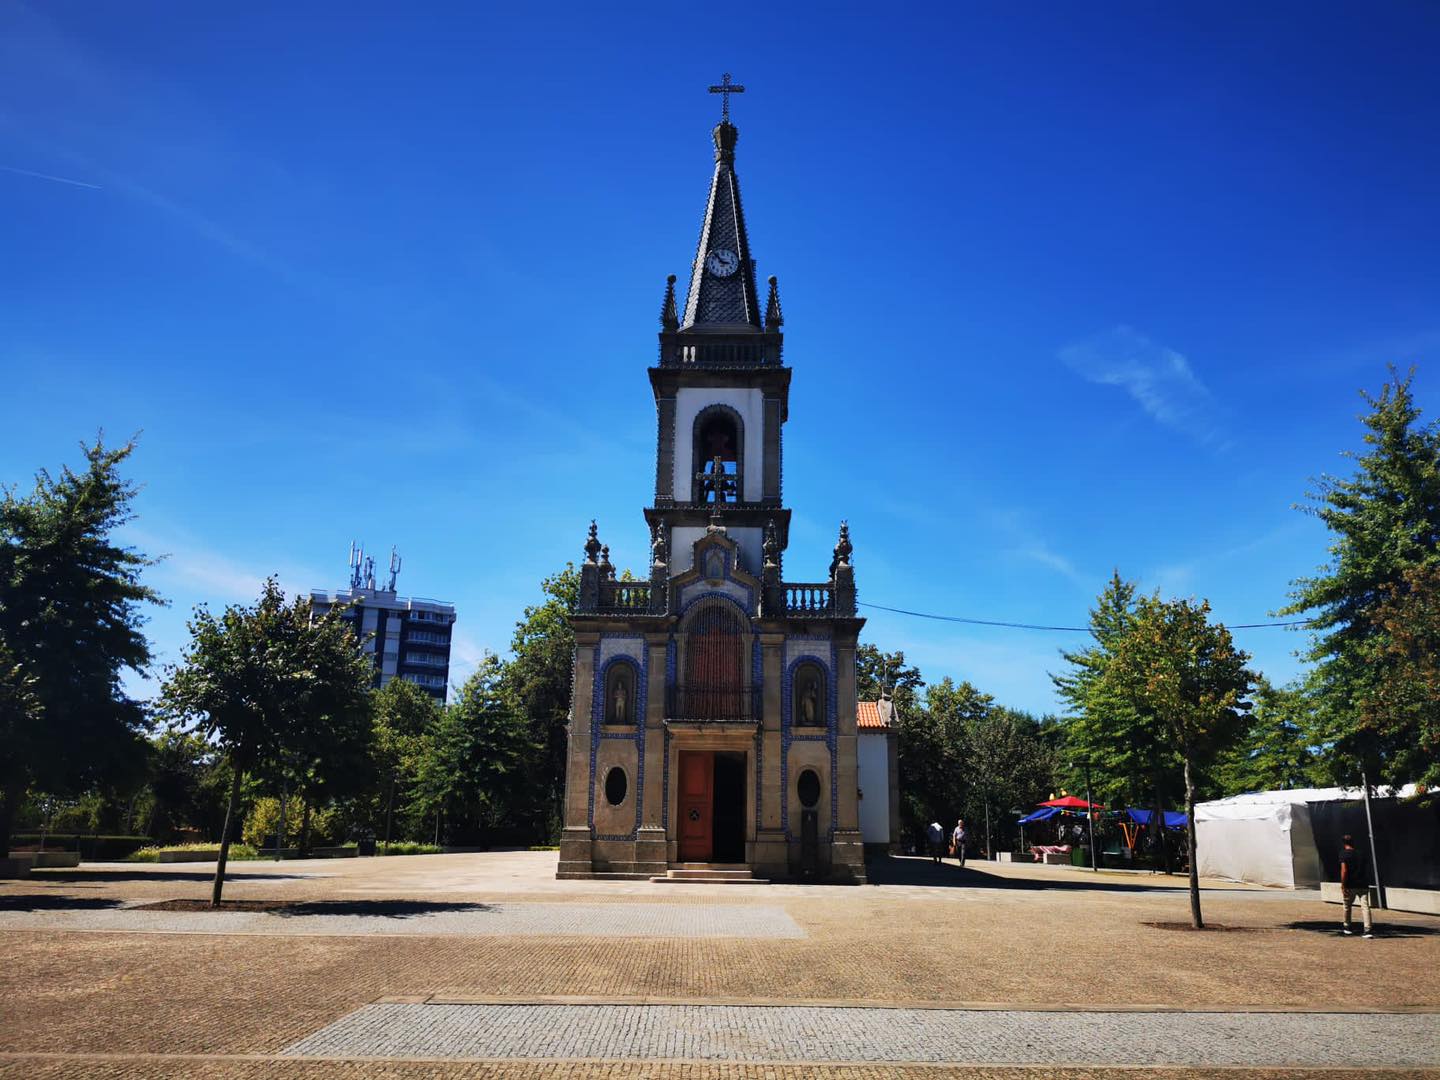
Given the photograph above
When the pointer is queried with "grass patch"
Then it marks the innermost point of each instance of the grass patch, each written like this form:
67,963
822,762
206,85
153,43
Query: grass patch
543,847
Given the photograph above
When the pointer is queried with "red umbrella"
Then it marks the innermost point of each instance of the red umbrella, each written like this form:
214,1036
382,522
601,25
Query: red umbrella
1070,802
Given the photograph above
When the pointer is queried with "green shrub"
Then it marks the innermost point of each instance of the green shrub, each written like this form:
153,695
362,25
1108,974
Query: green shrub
238,852
407,847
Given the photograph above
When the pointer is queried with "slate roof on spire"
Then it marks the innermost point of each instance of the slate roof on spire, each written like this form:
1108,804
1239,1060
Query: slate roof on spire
726,303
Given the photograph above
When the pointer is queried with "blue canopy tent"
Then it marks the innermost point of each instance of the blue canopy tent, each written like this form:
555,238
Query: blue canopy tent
1174,819
1045,813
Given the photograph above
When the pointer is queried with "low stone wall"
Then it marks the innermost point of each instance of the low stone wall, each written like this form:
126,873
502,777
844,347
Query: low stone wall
54,859
1419,901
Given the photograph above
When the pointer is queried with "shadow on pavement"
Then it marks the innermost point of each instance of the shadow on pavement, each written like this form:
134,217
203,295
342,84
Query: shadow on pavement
49,902
383,909
917,870
1382,930
153,875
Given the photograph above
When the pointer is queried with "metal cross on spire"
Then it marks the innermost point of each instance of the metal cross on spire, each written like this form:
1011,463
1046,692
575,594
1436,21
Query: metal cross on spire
725,89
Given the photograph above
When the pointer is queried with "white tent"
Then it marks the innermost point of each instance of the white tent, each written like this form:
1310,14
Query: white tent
1264,837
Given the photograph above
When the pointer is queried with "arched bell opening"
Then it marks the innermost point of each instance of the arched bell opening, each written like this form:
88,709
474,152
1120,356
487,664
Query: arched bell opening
718,456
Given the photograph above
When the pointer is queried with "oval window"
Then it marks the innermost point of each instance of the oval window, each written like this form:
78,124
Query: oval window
808,788
616,786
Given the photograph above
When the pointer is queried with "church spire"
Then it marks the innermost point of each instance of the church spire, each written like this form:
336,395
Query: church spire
722,280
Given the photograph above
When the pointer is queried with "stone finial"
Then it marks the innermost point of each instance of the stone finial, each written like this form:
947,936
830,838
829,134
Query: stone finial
669,315
843,547
770,571
592,544
659,555
607,572
716,525
774,317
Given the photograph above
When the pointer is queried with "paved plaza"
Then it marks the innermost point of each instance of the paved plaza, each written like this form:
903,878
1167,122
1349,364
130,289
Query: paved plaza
485,966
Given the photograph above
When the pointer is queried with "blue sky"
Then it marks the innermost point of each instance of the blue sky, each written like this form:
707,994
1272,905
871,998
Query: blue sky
1068,287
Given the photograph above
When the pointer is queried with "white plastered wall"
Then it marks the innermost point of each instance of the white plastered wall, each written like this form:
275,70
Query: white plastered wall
873,759
682,547
690,401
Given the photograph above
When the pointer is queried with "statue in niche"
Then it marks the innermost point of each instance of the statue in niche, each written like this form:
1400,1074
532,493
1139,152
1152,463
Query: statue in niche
714,566
810,702
620,701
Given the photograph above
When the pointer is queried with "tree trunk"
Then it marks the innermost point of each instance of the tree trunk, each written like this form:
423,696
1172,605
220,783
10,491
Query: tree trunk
305,828
1195,918
389,810
10,798
225,835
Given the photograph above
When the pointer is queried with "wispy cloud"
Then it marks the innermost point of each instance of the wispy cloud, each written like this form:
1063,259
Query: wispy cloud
1159,379
1023,541
47,176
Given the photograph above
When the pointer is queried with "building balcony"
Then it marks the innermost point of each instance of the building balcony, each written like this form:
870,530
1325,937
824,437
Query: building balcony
625,596
816,600
712,705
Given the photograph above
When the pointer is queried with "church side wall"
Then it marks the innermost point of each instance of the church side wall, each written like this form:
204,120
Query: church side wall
750,404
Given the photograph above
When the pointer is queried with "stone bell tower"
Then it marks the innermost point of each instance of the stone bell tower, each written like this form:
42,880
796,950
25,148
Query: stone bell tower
713,719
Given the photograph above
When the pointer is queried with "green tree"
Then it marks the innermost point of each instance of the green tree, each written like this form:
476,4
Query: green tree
1405,711
1274,751
878,672
1182,673
1006,764
403,714
1384,520
1123,753
472,764
71,622
258,681
536,684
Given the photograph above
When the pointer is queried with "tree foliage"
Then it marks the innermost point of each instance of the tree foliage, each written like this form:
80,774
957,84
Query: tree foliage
1184,676
265,681
1404,712
1384,521
71,618
473,761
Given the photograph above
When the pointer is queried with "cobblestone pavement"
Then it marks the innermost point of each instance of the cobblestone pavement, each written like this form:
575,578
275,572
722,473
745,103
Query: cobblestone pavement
798,1034
34,1067
419,919
224,1004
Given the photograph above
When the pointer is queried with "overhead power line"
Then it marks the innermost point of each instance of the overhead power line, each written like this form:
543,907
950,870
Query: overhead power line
1038,626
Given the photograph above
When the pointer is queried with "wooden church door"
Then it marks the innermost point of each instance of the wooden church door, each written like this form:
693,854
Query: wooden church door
696,805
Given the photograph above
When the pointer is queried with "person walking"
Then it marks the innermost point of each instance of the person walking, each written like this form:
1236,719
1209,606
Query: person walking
1354,884
935,834
957,839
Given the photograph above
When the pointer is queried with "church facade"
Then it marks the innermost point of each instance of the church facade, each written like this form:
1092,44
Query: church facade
713,717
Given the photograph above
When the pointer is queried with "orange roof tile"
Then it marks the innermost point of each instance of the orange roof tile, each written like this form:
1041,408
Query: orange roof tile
868,716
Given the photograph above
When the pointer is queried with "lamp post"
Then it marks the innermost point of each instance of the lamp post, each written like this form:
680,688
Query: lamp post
1090,818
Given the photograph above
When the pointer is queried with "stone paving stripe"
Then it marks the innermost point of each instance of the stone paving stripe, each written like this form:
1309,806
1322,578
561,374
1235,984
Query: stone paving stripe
867,1035
465,920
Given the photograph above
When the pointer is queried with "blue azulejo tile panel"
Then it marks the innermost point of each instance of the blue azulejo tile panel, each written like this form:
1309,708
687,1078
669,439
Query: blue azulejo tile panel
620,649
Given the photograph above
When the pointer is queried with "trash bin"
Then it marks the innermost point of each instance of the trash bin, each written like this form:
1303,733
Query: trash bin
365,845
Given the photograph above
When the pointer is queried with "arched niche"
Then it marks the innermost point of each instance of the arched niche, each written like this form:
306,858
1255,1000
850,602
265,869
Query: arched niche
809,696
621,701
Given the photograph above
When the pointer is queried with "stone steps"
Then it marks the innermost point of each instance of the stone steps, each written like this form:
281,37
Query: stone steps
711,874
